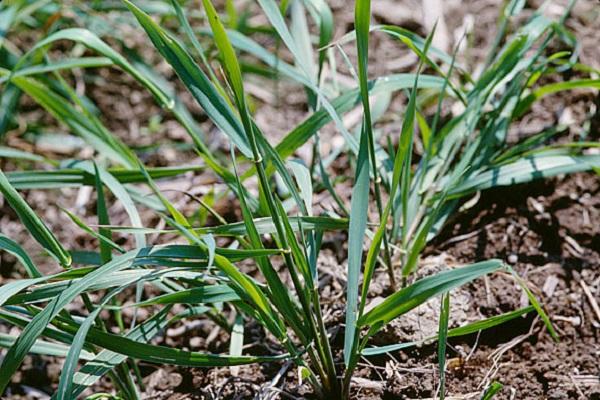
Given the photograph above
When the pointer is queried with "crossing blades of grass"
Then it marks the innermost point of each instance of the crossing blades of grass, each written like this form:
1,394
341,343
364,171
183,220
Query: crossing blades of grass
92,41
359,206
321,353
44,348
120,193
72,177
65,384
304,131
200,295
31,332
468,329
463,152
81,123
195,79
36,227
106,360
276,19
263,226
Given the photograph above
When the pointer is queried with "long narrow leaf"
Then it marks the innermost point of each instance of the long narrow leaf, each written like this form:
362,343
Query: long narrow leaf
33,223
424,289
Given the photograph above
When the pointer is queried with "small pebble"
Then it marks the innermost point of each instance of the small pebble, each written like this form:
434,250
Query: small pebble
195,342
513,258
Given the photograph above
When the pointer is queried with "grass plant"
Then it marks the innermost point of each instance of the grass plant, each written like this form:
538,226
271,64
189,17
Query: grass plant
401,198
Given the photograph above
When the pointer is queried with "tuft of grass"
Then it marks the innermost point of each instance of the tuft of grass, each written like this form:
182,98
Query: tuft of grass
463,153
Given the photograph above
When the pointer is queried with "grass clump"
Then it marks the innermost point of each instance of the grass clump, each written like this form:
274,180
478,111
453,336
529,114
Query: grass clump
463,153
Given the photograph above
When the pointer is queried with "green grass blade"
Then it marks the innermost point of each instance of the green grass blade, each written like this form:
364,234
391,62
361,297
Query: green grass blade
105,235
31,332
526,170
399,163
33,223
280,293
175,213
276,19
232,255
257,141
326,28
72,177
442,336
106,360
16,250
304,180
519,150
10,95
161,354
250,46
236,343
552,88
8,15
492,390
45,292
65,384
64,64
104,240
510,9
9,100
120,193
359,206
195,80
415,42
21,317
200,295
247,289
8,152
536,304
273,157
43,347
263,226
304,131
144,76
10,289
197,46
468,329
302,37
86,126
93,42
424,289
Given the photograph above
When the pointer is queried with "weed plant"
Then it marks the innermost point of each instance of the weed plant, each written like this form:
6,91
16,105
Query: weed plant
399,202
